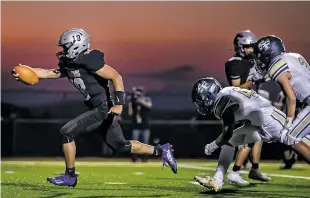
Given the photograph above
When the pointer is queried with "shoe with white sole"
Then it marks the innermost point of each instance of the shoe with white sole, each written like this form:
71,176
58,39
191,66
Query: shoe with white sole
235,178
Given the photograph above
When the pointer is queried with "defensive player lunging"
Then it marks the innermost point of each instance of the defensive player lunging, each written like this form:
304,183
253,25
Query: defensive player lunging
89,73
232,104
292,72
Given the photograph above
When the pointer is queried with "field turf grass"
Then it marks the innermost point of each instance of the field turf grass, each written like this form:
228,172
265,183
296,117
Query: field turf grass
121,178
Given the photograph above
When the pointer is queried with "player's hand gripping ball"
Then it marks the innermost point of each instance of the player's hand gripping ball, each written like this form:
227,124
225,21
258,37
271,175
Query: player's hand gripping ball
25,74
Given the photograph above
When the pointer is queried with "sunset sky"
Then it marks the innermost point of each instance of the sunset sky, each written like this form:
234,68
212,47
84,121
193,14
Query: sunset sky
147,42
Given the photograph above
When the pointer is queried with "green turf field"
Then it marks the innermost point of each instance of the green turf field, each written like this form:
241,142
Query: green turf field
121,178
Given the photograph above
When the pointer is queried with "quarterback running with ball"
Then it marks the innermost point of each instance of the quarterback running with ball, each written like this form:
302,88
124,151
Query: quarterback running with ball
89,73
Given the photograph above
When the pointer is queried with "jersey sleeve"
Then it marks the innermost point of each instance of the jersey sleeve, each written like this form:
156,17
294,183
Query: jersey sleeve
233,70
277,68
280,99
221,106
94,60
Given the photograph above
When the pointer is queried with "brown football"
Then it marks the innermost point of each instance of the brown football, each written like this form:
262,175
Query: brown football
26,74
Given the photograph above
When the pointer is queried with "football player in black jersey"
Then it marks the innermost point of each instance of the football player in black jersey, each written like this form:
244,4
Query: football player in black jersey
89,73
239,73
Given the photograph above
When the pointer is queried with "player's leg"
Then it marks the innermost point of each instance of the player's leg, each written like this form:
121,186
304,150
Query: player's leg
135,136
115,138
303,148
255,173
301,129
217,181
145,140
84,123
256,152
301,125
226,157
246,162
289,158
234,175
241,156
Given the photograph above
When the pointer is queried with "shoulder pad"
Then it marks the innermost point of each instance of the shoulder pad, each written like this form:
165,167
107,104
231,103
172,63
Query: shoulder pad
277,68
220,106
93,52
92,60
235,58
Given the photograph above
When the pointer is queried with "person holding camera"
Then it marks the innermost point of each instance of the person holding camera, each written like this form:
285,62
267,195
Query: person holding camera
139,109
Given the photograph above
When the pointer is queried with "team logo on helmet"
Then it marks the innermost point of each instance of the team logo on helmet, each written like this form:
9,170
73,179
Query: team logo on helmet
202,87
264,45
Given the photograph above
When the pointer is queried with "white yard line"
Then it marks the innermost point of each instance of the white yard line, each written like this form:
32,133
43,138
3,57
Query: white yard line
131,164
60,163
242,172
212,164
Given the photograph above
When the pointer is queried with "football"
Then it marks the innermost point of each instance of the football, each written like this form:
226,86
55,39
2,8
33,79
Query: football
26,74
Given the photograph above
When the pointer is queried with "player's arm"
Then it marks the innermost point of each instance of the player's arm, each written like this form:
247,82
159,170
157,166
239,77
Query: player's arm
234,71
284,81
279,72
225,109
94,63
43,73
109,73
48,73
229,124
227,114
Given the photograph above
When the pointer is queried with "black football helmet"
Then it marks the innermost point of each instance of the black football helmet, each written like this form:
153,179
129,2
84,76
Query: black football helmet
204,94
267,48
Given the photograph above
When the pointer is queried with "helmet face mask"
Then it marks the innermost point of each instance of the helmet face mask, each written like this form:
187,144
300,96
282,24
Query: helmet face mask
205,106
260,67
204,94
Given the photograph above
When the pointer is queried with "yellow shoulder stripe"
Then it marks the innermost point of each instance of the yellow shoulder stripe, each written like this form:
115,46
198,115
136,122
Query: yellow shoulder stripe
276,68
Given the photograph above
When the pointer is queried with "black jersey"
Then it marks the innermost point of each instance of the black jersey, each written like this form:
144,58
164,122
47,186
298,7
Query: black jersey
81,72
238,68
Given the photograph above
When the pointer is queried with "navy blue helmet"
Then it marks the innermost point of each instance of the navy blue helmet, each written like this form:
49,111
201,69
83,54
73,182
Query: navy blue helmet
267,48
204,94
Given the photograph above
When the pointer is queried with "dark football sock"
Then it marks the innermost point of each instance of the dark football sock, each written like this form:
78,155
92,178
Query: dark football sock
255,165
70,171
158,151
236,168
